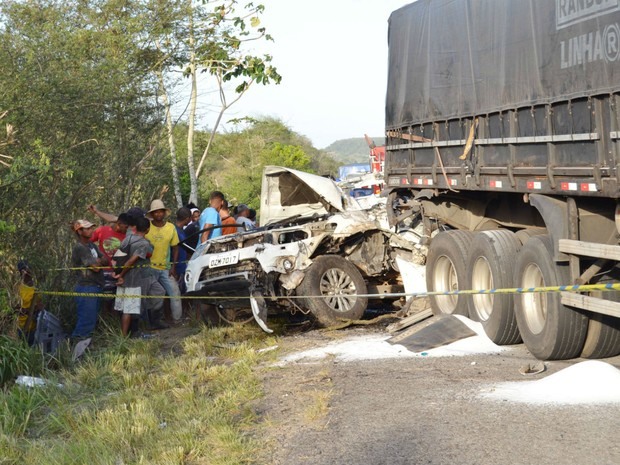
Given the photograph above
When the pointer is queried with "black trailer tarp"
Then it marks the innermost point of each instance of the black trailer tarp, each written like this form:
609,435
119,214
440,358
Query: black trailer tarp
453,58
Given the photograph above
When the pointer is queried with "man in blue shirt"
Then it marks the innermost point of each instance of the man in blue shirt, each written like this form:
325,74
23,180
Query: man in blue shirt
211,217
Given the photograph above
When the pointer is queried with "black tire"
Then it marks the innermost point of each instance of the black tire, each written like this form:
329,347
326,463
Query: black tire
524,234
446,270
335,284
603,338
491,266
550,330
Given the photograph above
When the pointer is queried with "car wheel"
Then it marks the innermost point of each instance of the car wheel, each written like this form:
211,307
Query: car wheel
332,286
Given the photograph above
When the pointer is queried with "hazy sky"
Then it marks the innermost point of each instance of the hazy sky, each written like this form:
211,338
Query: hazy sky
332,55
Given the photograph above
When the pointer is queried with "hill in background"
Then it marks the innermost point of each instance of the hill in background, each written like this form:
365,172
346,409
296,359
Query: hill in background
354,150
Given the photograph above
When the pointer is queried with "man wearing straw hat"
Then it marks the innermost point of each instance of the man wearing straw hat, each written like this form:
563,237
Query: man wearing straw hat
163,235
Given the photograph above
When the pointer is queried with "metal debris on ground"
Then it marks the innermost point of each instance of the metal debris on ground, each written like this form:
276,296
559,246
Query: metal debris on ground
445,330
533,368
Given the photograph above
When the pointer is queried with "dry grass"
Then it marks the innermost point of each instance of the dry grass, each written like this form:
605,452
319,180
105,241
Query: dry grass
318,407
319,396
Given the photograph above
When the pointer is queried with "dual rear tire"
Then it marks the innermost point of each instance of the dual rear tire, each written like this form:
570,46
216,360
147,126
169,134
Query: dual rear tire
491,266
459,260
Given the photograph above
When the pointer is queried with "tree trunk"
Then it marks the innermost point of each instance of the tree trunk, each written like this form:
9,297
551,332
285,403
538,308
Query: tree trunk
171,145
224,106
193,195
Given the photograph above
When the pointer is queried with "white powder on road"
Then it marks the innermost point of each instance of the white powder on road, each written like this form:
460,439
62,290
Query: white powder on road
368,347
375,347
591,382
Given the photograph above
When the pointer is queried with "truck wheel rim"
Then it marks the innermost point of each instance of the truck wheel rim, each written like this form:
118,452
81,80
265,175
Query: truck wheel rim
482,278
445,279
339,290
534,303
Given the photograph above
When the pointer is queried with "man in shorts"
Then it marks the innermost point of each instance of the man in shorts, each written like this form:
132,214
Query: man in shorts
137,279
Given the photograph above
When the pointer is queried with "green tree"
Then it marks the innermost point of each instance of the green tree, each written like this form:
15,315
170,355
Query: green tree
208,37
80,94
291,156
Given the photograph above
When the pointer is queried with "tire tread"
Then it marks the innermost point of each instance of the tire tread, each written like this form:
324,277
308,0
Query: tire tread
501,247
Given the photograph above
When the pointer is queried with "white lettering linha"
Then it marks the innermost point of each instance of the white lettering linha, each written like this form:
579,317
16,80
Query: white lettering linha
592,46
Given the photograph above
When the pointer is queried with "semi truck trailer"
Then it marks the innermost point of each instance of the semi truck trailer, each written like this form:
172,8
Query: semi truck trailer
503,139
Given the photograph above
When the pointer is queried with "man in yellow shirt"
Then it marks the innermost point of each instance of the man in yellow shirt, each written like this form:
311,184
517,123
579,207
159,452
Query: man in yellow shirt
164,238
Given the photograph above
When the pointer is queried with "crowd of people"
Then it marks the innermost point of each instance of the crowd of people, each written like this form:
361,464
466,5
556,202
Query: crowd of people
139,256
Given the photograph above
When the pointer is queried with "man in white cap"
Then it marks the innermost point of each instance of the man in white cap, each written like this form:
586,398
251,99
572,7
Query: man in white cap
163,235
87,259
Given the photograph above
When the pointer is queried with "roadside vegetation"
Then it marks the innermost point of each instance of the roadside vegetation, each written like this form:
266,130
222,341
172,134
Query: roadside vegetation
132,403
83,120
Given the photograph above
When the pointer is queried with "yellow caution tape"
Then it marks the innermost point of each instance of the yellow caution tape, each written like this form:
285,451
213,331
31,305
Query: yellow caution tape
513,290
107,267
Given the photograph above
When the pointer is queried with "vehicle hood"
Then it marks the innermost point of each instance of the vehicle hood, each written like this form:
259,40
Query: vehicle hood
288,193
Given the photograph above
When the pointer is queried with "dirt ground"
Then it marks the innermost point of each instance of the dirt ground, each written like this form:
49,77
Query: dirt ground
421,411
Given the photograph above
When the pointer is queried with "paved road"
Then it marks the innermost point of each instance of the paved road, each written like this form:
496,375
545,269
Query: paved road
427,411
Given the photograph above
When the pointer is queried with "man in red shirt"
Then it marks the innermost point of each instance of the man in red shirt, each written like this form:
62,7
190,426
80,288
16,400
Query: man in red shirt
109,239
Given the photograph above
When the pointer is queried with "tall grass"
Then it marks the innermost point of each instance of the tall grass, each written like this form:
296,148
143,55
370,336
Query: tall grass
16,358
132,404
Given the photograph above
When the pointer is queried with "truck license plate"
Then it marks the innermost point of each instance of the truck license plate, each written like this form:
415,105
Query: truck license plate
223,259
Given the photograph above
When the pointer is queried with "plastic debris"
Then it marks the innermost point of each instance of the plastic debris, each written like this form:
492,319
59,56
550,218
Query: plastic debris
33,381
80,348
267,349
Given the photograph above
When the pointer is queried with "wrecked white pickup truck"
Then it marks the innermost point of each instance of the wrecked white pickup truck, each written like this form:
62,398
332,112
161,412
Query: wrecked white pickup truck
316,252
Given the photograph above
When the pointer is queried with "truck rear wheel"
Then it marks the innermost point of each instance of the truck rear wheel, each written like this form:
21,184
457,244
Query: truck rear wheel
491,265
446,270
603,339
550,330
335,284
